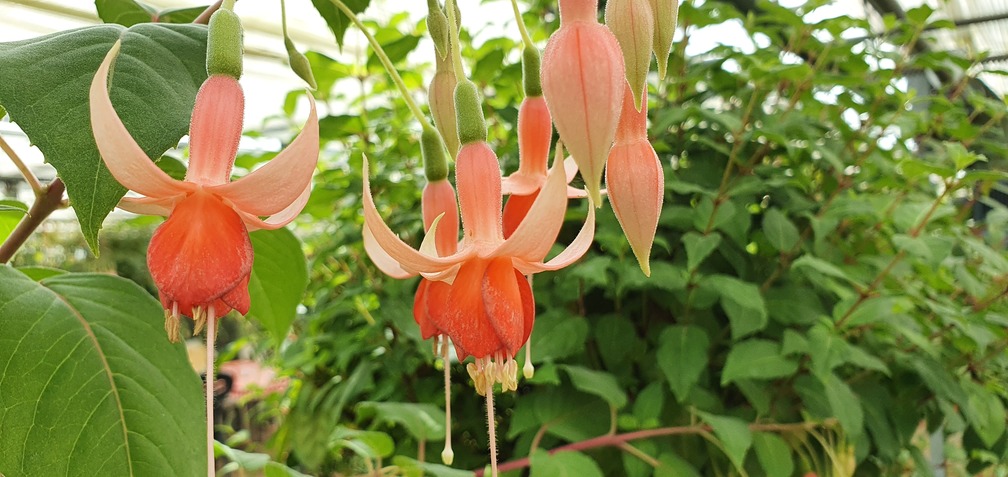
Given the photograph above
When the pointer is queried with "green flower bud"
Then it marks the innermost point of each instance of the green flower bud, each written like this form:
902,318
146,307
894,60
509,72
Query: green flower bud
469,113
299,64
432,150
224,44
437,25
531,80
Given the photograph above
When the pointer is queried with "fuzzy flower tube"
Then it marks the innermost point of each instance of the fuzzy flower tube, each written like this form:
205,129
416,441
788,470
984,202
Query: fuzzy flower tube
582,81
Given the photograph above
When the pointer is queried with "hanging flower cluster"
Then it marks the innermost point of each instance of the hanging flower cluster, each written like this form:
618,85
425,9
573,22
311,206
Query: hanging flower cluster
475,293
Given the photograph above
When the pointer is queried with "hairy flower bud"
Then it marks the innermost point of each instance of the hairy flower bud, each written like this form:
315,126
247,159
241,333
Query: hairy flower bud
635,181
582,81
665,13
441,96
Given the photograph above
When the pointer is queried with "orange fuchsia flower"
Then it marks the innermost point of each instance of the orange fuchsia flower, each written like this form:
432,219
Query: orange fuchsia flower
201,257
479,296
535,129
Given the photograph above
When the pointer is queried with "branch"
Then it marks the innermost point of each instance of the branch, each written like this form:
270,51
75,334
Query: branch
619,440
50,199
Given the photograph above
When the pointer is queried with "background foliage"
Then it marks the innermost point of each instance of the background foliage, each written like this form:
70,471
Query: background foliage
825,294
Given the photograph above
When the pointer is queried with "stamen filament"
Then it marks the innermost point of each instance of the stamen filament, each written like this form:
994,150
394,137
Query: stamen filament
211,338
447,455
491,431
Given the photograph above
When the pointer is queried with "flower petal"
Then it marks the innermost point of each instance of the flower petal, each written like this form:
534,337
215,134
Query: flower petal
420,314
502,300
124,158
459,311
274,186
569,255
520,183
410,259
215,130
278,219
382,260
149,205
516,209
200,254
535,235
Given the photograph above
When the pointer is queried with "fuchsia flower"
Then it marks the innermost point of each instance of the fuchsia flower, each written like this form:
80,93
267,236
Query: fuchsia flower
479,296
535,129
582,81
635,180
201,257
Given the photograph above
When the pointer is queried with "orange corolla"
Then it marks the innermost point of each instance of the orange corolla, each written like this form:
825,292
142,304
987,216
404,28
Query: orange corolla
201,257
479,296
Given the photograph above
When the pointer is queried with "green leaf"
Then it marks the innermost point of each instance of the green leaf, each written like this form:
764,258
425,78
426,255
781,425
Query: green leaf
845,404
699,247
599,383
986,414
742,302
423,421
124,12
674,466
563,464
44,85
11,213
278,281
337,21
773,453
756,359
91,384
428,468
683,355
734,434
557,336
13,206
780,232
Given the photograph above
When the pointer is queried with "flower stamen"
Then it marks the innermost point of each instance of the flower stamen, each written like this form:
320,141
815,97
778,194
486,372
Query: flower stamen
447,455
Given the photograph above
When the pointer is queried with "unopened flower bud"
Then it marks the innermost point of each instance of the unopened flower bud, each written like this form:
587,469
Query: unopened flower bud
632,23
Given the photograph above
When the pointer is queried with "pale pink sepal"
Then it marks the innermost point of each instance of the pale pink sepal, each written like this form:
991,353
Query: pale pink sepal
534,236
215,130
272,187
278,219
410,259
124,158
574,251
149,205
382,260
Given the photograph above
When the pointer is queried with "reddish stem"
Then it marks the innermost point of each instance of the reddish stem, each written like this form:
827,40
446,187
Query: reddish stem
616,440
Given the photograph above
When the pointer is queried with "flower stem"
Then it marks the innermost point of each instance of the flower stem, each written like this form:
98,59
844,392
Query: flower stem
211,338
526,40
50,199
453,28
386,62
29,176
204,17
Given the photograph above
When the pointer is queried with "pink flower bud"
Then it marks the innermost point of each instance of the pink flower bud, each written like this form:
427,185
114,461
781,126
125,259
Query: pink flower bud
582,81
635,181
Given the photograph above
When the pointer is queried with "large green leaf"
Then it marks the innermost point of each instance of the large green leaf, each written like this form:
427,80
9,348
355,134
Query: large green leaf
734,434
756,359
682,356
90,383
278,281
563,464
44,85
742,302
337,21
